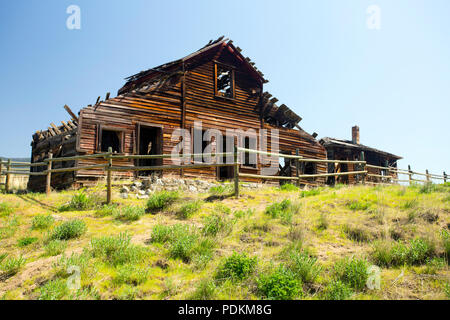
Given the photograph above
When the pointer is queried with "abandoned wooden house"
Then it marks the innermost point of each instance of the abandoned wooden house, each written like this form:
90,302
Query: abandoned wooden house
216,85
353,150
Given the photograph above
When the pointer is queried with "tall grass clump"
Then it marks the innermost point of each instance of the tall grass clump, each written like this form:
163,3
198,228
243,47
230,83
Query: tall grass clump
283,210
322,222
107,210
26,241
5,209
238,266
131,274
117,250
337,290
304,265
41,222
288,187
161,201
215,224
129,213
221,190
10,228
415,252
53,290
55,247
11,266
445,235
68,230
354,272
359,205
279,284
309,193
189,209
81,201
204,290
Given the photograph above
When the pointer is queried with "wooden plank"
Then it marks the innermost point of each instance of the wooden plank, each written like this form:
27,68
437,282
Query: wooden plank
69,111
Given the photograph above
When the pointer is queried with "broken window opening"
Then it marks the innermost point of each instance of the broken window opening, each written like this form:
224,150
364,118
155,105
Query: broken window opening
111,138
224,81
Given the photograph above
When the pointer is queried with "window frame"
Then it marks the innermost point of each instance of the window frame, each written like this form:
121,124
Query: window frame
100,129
233,81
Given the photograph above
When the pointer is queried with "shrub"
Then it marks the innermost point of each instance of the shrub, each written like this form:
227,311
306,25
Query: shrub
239,214
337,290
131,274
353,272
279,284
309,193
304,266
11,266
42,222
221,189
161,201
68,230
54,290
55,247
237,267
63,264
183,245
107,210
129,213
117,250
420,250
288,187
189,209
81,201
215,224
433,265
204,290
283,210
23,242
428,188
221,209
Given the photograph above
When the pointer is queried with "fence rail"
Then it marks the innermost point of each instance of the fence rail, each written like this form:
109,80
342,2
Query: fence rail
361,172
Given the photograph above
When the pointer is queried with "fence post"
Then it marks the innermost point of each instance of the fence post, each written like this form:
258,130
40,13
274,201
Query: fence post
108,176
445,177
363,166
409,174
297,167
428,176
8,176
236,173
48,184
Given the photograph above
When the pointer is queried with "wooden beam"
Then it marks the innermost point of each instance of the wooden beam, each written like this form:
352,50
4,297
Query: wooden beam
55,128
107,96
66,126
74,117
52,133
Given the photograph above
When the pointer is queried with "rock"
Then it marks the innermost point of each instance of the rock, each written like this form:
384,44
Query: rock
133,188
137,184
145,196
124,189
159,182
141,192
192,189
124,195
148,191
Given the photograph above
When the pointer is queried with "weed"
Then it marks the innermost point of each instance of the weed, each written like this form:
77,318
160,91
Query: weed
410,204
353,272
288,187
3,257
81,201
221,209
9,229
26,241
283,210
68,230
304,266
239,214
279,284
131,274
64,263
107,210
359,205
432,266
189,209
41,222
129,213
216,224
221,189
237,267
357,234
322,222
11,266
205,290
55,247
117,250
337,290
309,193
161,201
445,235
5,209
53,290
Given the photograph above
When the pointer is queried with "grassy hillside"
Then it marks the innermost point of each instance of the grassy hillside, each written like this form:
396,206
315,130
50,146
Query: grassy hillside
271,243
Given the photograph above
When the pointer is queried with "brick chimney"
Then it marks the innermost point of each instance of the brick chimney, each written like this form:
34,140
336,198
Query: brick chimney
355,135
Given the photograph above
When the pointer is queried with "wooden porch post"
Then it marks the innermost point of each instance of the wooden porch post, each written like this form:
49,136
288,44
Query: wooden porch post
445,177
409,174
363,166
108,176
48,183
297,167
428,176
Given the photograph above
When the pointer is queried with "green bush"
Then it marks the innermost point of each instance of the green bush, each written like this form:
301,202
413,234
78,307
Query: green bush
189,209
216,224
41,222
204,290
54,290
309,193
288,187
237,267
304,266
107,210
81,201
353,272
117,250
55,247
131,274
337,290
161,201
129,213
11,266
26,241
68,230
279,284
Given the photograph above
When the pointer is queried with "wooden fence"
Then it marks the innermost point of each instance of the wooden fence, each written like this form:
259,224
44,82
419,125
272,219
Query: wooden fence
14,168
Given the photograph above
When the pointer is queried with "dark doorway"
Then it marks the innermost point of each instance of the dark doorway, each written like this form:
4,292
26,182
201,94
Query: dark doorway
149,143
226,173
344,168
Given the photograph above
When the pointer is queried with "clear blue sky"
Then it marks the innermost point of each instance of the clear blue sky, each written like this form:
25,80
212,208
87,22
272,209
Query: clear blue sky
320,58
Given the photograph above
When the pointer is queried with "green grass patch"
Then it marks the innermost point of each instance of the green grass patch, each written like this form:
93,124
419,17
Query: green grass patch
238,266
305,266
189,209
68,230
107,210
279,284
55,247
309,193
337,290
41,222
5,209
82,201
353,272
288,187
283,210
359,205
131,274
161,201
26,241
129,213
53,290
216,224
11,266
